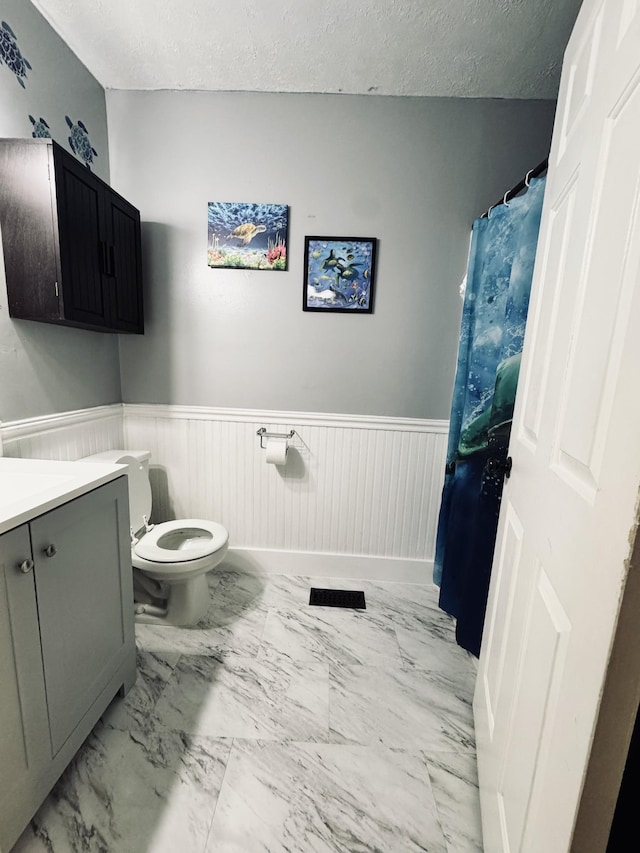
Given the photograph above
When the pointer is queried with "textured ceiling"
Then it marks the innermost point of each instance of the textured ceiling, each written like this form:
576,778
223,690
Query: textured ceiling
455,48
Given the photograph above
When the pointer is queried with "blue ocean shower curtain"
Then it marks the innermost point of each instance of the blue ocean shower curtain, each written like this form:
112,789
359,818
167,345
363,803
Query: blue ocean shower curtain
499,274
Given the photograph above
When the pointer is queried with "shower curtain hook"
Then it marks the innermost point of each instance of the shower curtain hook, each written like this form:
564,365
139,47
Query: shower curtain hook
489,211
526,180
504,200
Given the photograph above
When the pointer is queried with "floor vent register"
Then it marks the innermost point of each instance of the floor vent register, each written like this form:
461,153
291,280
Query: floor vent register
337,598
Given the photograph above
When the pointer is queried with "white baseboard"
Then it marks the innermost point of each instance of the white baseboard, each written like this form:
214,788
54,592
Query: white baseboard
317,565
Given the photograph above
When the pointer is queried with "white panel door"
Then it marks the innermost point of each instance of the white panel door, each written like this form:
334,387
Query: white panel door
570,504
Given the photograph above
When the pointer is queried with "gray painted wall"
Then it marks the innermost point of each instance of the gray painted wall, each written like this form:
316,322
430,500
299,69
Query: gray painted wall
412,172
45,369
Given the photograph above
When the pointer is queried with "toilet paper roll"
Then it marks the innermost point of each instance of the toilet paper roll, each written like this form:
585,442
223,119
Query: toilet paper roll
277,449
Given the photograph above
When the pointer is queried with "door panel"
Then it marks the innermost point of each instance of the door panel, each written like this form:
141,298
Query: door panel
507,566
546,635
543,321
125,282
555,595
579,73
630,9
79,221
600,315
80,599
24,735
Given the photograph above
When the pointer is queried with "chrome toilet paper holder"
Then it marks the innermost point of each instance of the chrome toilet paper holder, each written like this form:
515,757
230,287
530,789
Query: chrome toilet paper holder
262,432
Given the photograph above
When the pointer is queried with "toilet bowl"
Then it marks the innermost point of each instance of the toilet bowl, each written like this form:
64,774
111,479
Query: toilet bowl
170,560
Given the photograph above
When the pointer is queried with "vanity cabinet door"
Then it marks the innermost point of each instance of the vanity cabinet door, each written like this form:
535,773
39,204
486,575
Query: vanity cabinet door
24,735
84,585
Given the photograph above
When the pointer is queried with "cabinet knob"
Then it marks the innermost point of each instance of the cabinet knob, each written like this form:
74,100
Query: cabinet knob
26,566
50,550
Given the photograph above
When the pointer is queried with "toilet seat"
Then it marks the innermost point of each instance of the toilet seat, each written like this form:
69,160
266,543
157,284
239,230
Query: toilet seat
181,541
170,561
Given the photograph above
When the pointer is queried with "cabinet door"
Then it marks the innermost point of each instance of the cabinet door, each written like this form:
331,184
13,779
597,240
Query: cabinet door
122,223
71,244
82,241
24,736
85,600
29,234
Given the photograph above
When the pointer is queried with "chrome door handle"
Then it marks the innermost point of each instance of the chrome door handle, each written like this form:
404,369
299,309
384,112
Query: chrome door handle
26,566
50,550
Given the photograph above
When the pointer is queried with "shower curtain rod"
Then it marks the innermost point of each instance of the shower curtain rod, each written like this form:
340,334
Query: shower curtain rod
533,173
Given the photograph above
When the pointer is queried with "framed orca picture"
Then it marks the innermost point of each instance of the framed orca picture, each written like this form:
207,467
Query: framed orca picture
339,274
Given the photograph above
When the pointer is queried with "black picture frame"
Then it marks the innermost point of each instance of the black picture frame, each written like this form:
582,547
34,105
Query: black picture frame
339,274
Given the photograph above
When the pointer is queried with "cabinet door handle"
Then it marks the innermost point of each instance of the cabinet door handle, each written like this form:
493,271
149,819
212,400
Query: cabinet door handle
108,258
26,566
51,550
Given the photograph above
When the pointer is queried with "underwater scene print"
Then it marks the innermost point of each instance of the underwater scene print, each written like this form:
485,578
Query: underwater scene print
339,274
247,236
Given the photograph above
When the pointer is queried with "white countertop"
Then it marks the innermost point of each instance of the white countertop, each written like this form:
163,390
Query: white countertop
31,487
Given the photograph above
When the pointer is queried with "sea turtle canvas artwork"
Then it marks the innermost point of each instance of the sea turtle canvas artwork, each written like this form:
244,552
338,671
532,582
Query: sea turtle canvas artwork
246,235
339,274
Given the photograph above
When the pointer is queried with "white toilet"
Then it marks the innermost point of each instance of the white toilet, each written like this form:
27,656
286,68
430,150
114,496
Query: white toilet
170,560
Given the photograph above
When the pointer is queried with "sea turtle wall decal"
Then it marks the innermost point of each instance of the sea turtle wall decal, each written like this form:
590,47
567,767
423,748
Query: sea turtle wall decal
11,54
41,129
80,143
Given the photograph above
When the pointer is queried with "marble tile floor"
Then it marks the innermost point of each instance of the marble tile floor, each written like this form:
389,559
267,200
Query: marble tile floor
276,727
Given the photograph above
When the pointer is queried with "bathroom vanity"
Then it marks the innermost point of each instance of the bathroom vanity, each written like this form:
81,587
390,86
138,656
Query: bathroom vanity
66,620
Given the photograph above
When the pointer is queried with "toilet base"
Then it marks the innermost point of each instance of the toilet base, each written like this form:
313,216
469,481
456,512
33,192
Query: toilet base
186,605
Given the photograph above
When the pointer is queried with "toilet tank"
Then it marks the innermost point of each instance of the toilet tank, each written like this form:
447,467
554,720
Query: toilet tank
137,462
113,457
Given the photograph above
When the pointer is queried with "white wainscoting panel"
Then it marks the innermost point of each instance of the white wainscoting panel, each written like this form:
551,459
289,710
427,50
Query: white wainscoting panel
358,497
67,436
364,486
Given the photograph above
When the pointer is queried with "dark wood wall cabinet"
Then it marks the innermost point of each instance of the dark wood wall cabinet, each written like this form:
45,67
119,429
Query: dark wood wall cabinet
71,244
